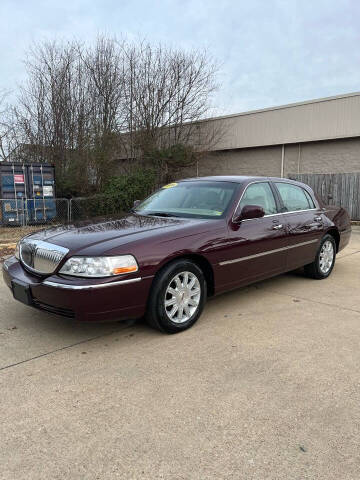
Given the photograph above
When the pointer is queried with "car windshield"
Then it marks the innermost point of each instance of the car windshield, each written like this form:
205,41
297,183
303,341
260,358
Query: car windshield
198,199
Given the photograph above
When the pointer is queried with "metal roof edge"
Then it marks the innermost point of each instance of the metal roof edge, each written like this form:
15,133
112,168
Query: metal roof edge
287,142
280,107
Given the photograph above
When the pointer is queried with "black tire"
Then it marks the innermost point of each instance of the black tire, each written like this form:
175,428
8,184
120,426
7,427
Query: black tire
156,314
314,270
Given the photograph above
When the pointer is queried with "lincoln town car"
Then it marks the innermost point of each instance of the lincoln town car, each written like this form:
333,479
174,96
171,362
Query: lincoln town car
189,240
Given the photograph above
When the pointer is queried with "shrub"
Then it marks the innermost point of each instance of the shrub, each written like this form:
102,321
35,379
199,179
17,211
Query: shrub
121,191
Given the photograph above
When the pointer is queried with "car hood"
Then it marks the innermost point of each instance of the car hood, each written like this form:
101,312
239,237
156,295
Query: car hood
111,233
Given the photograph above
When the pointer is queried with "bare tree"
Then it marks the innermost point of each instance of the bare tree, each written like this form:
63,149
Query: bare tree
167,92
167,89
83,108
104,67
54,108
9,139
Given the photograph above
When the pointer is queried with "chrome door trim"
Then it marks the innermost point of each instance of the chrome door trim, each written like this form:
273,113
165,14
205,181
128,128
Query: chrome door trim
300,211
275,214
268,252
67,286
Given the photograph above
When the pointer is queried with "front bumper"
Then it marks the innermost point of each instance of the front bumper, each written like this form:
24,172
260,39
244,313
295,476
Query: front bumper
83,299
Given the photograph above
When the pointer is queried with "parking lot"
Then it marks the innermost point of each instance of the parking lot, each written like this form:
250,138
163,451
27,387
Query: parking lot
265,386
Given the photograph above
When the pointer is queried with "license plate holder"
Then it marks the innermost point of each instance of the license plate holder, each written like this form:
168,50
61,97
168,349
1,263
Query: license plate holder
21,292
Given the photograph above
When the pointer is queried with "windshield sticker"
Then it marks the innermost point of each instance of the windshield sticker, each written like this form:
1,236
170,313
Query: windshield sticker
217,212
170,185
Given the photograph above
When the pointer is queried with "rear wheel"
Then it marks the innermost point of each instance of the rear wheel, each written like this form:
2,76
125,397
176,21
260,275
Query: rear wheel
177,297
324,261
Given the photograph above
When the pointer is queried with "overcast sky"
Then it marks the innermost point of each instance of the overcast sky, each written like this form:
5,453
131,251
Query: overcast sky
271,52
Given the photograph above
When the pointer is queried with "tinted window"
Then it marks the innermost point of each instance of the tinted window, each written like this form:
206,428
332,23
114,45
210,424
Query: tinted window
190,199
259,194
294,197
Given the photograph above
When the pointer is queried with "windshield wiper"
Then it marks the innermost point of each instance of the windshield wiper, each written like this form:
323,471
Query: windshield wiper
160,214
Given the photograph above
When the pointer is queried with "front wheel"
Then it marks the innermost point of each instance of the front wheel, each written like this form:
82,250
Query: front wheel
324,261
177,298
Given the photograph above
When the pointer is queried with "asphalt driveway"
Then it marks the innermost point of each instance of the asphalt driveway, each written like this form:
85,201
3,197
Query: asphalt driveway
265,386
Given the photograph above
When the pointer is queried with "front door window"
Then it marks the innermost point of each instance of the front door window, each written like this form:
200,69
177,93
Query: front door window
259,194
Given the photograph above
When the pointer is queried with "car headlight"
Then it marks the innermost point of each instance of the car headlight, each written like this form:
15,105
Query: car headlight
17,251
99,266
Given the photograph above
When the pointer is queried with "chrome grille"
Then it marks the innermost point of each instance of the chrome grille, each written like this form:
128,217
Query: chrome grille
41,257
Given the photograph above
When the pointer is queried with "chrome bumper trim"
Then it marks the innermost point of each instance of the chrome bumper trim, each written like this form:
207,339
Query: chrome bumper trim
66,286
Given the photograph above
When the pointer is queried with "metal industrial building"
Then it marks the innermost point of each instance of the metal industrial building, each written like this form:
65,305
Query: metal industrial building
317,136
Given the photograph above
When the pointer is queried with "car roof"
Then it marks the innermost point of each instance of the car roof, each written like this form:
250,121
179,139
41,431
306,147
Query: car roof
237,179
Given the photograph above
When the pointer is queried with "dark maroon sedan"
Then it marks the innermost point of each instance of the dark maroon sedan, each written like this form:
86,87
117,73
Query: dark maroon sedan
189,240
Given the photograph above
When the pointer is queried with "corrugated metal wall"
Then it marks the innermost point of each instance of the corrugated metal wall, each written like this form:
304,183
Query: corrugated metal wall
335,117
335,189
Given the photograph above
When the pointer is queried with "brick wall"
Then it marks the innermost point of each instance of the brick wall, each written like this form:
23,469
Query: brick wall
332,156
248,161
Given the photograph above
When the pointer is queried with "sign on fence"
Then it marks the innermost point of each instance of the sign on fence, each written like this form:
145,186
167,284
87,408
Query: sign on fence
19,178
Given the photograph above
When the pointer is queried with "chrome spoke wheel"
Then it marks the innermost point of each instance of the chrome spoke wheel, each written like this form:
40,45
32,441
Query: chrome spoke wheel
182,297
326,257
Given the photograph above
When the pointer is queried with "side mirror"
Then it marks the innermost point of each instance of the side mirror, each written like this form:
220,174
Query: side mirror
249,211
136,203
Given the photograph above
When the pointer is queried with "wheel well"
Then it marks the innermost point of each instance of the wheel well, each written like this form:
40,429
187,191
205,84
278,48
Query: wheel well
334,233
205,266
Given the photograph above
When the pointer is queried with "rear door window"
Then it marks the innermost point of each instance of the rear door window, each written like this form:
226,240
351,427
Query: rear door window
294,198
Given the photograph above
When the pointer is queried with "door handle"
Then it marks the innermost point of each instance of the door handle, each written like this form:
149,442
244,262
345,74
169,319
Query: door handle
277,227
318,218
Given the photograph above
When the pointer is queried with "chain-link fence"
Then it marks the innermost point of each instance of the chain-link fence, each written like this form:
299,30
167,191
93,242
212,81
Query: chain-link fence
82,208
23,212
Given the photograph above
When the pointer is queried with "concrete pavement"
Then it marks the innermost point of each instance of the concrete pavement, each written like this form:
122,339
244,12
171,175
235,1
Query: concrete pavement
265,386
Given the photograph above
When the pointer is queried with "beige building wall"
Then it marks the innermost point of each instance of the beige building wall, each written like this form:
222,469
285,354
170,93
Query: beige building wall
314,120
329,156
248,161
332,156
317,136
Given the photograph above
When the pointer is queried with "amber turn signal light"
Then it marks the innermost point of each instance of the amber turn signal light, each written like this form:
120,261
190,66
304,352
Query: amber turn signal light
132,268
